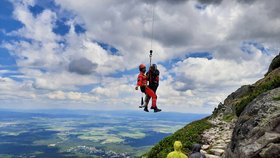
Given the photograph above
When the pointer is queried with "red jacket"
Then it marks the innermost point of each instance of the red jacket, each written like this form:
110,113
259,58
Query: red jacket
142,79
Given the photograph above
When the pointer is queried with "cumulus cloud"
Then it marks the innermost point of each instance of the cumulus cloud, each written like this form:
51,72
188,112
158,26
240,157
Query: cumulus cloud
241,36
246,1
259,23
38,28
210,1
82,66
179,29
181,1
57,95
169,1
61,95
47,57
23,90
197,73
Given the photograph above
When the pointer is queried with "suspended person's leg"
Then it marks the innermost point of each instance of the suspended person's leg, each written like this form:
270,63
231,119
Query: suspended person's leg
145,106
146,102
147,98
143,90
153,87
151,93
143,102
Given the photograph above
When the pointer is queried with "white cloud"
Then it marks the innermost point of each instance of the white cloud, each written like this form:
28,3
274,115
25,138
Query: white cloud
11,89
60,95
74,95
57,95
195,73
178,29
38,28
190,85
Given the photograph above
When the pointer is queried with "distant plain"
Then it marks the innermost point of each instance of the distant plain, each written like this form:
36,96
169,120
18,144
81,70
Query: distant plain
83,133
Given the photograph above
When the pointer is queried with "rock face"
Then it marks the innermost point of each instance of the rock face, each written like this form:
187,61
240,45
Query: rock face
274,64
257,131
240,92
228,106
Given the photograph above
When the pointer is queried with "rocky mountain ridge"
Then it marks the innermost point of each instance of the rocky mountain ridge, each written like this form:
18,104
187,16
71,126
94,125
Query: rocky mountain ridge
246,125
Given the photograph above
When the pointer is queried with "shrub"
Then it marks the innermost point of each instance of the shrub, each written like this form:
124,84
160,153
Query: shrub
188,135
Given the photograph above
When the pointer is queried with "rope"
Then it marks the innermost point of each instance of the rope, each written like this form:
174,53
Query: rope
151,51
153,19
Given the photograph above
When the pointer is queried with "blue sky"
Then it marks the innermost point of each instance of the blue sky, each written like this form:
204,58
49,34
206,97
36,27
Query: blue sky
80,55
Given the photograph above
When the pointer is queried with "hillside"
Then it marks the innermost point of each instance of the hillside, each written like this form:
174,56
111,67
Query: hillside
247,124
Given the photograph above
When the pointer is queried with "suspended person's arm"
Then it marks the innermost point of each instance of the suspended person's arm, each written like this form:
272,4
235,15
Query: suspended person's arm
139,81
157,76
157,72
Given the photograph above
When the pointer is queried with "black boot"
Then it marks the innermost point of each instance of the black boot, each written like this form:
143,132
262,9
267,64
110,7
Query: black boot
157,109
146,109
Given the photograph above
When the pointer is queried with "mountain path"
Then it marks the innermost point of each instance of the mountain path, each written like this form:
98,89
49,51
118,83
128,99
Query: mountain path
217,138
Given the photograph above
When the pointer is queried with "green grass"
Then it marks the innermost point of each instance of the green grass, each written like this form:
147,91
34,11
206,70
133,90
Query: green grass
188,135
276,98
270,84
228,117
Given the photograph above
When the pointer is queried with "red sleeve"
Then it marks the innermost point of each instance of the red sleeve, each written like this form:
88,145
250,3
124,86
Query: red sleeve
139,80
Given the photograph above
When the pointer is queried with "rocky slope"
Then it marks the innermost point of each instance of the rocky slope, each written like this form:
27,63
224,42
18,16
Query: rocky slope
246,125
257,130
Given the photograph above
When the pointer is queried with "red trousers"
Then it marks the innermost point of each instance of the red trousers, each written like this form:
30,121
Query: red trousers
152,94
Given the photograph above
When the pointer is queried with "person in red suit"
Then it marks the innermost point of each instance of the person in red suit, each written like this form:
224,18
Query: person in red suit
142,83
